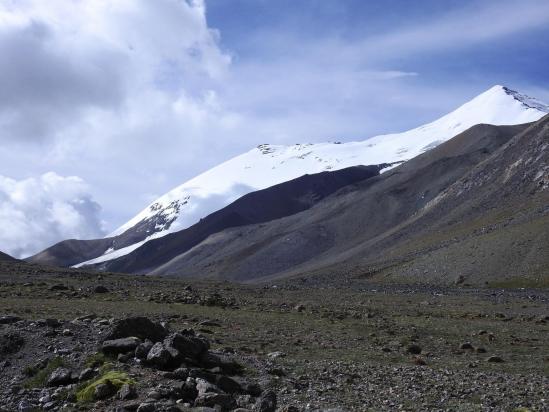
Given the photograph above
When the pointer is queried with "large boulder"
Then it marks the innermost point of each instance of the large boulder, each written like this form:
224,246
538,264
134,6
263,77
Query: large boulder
220,360
159,357
142,350
140,327
183,347
122,345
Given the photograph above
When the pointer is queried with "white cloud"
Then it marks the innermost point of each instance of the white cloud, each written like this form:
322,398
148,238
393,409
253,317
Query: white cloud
71,60
117,92
473,24
37,212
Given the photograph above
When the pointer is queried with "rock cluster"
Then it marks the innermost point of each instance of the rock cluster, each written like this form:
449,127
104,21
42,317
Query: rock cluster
140,366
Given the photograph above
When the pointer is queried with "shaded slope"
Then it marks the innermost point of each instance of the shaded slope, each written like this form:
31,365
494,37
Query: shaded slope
257,207
492,225
70,252
355,231
4,257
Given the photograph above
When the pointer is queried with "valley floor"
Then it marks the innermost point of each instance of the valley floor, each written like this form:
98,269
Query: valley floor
357,347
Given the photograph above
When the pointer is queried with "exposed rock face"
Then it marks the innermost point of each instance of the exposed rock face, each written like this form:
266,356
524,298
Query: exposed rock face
122,345
140,327
478,201
261,206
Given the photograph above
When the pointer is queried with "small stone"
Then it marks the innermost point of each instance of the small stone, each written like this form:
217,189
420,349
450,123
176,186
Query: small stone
67,332
181,373
480,350
277,354
417,360
209,323
58,286
6,320
188,389
299,308
213,399
86,374
143,349
154,395
266,403
104,390
495,359
203,386
466,346
414,349
49,405
45,399
158,356
130,406
124,357
226,363
287,408
53,323
25,406
228,385
10,342
60,376
182,346
122,345
100,289
127,392
147,407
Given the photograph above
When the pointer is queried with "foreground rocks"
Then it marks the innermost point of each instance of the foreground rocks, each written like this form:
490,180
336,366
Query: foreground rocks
140,365
282,347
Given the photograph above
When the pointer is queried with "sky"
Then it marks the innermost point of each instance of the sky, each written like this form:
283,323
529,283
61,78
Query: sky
106,105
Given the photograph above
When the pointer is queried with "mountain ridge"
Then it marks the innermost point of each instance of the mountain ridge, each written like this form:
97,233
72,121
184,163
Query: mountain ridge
268,165
337,226
257,207
4,257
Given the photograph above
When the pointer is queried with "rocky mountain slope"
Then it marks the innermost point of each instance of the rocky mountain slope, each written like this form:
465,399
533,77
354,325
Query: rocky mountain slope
257,207
5,257
268,165
472,210
272,203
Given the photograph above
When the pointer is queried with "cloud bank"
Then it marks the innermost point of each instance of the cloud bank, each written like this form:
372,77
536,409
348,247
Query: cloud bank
121,93
37,212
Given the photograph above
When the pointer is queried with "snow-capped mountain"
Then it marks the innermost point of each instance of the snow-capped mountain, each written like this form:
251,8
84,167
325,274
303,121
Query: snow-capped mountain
267,165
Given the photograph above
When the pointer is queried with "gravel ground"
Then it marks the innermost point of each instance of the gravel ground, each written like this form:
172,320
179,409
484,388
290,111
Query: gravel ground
311,345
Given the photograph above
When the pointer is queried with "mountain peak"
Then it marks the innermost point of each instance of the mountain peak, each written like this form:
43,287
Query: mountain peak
268,165
528,101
